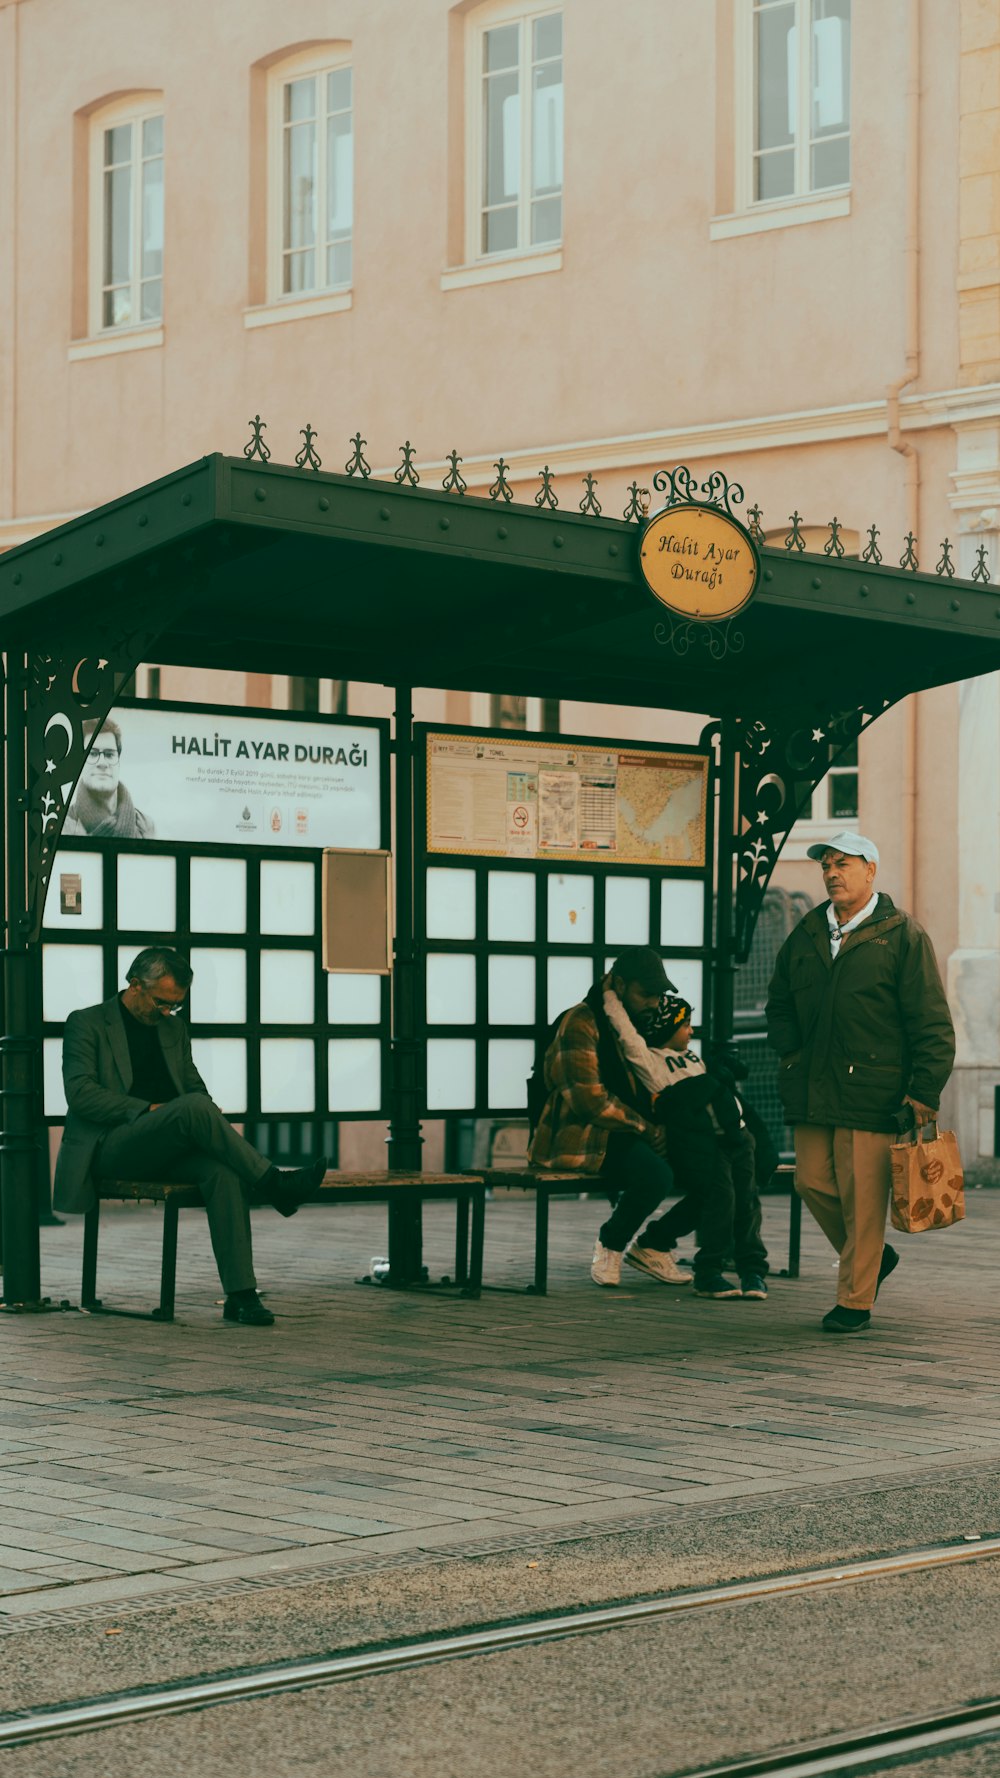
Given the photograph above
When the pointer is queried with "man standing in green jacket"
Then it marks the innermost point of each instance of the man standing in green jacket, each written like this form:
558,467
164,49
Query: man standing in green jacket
858,1016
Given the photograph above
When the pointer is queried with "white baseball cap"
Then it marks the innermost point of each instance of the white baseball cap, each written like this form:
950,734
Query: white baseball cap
854,844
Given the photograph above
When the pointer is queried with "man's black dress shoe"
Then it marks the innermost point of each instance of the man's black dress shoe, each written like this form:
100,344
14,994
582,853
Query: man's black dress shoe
846,1321
289,1187
246,1307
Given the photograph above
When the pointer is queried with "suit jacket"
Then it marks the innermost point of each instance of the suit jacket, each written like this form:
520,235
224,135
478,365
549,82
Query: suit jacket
97,1074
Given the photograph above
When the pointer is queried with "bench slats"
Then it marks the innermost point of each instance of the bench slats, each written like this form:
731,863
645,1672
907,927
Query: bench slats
157,1190
531,1176
387,1186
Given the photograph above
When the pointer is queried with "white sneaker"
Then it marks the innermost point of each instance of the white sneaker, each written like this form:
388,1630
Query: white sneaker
606,1265
658,1265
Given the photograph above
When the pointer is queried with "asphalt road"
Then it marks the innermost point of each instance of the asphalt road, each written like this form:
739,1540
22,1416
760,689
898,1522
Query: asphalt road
643,1702
637,1703
962,1762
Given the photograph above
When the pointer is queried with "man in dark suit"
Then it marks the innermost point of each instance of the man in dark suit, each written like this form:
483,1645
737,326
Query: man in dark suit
139,1109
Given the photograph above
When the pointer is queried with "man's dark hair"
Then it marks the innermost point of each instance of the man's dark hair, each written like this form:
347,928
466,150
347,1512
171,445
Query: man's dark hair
91,726
644,966
155,962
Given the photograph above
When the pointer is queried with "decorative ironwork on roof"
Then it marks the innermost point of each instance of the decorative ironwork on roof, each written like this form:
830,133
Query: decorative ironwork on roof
307,458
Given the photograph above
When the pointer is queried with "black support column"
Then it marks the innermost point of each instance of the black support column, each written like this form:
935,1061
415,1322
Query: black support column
405,1138
727,845
18,1045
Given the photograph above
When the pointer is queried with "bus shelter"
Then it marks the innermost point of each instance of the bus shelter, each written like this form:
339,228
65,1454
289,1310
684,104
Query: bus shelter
245,564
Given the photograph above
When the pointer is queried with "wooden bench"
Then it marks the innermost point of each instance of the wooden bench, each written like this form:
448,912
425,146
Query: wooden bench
394,1188
544,1183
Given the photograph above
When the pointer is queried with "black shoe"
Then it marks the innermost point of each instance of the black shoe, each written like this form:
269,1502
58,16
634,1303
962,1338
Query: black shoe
752,1285
246,1307
715,1285
840,1321
890,1260
289,1187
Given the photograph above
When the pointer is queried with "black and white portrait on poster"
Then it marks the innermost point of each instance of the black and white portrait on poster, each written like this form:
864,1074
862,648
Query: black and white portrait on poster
238,779
103,807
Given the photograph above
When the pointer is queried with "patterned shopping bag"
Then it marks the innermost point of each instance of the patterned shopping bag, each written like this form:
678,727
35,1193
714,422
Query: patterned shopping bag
928,1190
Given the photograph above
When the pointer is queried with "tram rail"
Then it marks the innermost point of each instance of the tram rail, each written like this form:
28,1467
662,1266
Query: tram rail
941,1730
84,1717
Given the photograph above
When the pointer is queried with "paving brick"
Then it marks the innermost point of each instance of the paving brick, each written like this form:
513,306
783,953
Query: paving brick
142,1459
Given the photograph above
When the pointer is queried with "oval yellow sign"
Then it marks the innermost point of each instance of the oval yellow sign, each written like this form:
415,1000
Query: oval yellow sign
699,562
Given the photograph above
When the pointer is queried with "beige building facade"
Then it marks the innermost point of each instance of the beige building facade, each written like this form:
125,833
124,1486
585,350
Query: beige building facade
755,235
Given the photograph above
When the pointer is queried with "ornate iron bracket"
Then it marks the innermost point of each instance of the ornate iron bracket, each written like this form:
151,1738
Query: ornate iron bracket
680,633
781,761
62,693
684,489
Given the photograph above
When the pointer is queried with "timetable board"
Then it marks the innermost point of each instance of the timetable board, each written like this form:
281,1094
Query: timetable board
542,798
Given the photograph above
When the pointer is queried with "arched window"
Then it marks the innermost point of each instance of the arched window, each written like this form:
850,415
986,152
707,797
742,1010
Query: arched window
311,173
514,111
126,234
794,100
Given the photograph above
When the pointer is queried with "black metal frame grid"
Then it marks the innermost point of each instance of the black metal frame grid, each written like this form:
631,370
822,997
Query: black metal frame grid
541,948
461,592
109,936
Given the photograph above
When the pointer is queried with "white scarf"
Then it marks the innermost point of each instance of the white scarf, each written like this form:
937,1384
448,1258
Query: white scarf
838,933
657,1069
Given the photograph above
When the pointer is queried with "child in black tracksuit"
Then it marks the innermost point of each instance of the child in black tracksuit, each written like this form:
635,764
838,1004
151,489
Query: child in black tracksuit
708,1145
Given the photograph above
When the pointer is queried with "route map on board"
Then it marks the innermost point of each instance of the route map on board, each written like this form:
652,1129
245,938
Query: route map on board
507,797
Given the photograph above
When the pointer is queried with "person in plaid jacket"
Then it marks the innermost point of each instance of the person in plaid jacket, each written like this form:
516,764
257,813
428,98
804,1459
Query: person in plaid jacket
597,1120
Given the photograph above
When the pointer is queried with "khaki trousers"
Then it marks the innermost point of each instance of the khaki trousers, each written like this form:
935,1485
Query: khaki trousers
844,1178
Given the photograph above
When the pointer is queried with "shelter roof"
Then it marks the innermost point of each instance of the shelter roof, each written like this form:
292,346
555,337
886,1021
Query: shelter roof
260,567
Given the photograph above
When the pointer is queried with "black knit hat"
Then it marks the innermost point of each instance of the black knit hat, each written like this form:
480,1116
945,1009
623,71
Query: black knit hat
670,1015
644,966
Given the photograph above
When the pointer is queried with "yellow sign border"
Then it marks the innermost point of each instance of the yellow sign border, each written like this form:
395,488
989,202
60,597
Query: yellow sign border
691,572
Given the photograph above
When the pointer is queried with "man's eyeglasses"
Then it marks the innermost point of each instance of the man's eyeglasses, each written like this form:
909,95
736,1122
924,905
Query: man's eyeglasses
169,1006
104,753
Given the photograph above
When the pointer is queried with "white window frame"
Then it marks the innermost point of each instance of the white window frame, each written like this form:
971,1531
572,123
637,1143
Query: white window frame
134,110
825,199
311,63
521,12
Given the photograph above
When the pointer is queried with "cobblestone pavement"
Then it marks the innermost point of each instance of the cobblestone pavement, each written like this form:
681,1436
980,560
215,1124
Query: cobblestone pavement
146,1464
